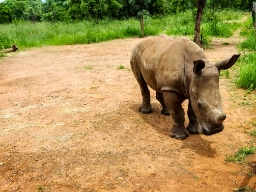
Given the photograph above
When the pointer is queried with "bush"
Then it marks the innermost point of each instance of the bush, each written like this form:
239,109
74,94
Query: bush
250,42
247,73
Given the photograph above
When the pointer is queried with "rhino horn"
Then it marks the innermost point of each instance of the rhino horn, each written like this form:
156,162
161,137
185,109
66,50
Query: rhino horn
198,66
227,63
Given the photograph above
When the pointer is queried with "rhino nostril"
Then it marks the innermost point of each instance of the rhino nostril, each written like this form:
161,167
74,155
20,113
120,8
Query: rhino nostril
221,117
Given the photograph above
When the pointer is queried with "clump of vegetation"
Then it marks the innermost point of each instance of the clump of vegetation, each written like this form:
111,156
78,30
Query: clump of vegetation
250,42
253,133
88,68
247,73
121,67
241,154
225,73
245,189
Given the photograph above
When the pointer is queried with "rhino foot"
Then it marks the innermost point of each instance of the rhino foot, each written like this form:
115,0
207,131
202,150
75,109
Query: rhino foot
194,129
179,133
146,110
165,112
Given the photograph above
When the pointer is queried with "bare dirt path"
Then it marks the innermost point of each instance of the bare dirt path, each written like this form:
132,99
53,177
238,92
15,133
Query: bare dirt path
69,121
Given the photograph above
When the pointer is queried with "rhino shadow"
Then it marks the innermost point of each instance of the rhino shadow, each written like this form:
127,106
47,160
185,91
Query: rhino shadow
159,122
163,124
199,145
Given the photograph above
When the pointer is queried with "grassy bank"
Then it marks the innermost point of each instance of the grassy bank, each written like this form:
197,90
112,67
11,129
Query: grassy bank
27,34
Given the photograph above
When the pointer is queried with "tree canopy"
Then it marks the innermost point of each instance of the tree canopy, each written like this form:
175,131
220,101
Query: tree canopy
68,10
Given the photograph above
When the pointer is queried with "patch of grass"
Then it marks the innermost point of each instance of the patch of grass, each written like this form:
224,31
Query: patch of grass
40,189
88,68
247,73
27,34
241,154
221,24
121,67
253,133
245,189
250,42
225,73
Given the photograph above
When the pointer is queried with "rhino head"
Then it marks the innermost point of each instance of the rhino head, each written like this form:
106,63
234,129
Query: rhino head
205,96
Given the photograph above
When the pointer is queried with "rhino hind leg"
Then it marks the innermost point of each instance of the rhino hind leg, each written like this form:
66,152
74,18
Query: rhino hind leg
146,106
173,102
193,126
160,98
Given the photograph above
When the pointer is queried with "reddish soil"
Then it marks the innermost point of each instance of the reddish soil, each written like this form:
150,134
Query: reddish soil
69,121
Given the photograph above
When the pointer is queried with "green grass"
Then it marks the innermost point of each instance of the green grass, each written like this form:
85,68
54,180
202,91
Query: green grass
27,34
221,23
247,72
241,154
121,67
250,42
253,133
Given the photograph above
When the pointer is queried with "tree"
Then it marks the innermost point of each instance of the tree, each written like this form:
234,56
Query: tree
33,10
5,14
17,7
55,10
140,7
200,7
100,9
75,12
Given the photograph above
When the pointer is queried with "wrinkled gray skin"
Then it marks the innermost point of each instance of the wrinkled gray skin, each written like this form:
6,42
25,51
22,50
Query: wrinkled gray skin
177,69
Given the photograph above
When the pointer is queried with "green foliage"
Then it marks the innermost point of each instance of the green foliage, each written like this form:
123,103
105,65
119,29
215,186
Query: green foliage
74,10
99,9
241,154
66,10
247,73
235,4
216,23
17,7
253,133
121,67
250,42
5,40
33,10
185,24
26,34
55,10
5,14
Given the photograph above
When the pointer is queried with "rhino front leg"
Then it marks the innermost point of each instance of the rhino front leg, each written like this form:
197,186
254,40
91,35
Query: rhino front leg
160,98
173,102
193,126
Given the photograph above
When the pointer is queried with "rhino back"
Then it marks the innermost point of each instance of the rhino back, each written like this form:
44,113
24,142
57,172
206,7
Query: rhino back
162,61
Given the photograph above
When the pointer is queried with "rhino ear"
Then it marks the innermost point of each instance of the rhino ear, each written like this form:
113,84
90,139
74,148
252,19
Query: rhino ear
227,63
198,66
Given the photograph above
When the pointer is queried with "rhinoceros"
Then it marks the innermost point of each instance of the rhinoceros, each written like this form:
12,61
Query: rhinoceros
177,69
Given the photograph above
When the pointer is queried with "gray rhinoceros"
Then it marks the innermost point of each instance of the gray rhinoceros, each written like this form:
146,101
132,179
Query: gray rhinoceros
177,69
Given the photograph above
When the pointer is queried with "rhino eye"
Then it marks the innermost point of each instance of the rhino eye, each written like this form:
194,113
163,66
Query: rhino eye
199,104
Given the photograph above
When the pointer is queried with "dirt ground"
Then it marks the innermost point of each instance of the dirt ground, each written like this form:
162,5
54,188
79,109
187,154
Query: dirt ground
69,121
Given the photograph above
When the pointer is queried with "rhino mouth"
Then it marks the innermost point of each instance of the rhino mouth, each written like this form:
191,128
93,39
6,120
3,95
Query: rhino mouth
207,130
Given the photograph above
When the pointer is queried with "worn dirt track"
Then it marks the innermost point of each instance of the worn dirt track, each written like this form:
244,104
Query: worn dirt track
69,121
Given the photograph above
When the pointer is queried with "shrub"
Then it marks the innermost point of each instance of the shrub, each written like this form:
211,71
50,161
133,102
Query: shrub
247,73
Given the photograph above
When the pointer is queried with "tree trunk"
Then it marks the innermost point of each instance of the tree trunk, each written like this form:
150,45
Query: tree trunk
142,25
200,7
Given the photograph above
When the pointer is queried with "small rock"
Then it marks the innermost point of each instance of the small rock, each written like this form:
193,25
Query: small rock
1,163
